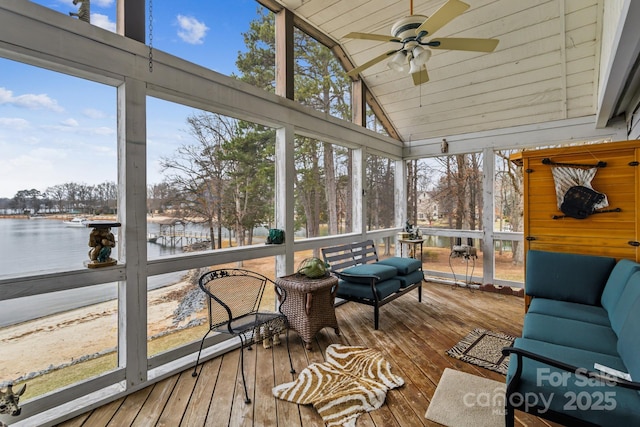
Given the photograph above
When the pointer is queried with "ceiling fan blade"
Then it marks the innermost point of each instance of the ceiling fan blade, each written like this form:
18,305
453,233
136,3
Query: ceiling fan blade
421,76
442,16
474,45
368,36
371,62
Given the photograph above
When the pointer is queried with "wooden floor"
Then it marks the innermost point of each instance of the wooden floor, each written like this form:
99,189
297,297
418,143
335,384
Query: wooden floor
413,337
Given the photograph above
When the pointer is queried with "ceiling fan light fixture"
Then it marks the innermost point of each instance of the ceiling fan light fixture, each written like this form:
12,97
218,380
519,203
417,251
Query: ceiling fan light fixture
420,55
398,61
415,67
415,34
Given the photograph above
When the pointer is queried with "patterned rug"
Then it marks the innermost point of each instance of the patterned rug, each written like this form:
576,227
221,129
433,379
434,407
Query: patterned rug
352,381
484,348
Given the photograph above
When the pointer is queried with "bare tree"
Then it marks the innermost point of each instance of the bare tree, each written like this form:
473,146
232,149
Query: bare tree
57,195
458,190
509,181
225,178
195,172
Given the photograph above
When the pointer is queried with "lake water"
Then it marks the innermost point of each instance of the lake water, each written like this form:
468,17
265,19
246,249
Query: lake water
33,246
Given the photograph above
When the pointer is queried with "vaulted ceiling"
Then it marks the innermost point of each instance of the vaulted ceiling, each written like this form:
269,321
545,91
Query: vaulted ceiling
546,67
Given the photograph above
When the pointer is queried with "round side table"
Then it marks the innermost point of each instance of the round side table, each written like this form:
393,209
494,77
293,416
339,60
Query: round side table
308,304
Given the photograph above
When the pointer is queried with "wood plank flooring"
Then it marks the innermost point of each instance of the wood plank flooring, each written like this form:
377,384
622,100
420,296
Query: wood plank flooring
413,337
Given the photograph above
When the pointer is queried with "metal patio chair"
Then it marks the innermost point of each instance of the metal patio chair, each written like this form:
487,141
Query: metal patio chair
233,303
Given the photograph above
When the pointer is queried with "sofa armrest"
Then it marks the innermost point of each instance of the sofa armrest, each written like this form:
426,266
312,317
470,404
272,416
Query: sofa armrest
596,375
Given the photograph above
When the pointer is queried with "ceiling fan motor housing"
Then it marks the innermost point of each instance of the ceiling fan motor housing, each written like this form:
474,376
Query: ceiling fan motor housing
405,28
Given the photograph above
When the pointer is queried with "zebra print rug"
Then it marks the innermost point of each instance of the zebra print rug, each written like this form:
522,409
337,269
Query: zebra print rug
484,348
352,381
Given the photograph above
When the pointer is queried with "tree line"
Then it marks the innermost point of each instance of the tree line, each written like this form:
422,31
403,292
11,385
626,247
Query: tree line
70,197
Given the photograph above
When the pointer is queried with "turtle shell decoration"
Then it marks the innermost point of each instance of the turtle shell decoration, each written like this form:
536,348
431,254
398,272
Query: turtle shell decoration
313,268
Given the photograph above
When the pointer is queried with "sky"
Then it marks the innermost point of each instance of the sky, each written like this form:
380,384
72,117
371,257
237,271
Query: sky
56,129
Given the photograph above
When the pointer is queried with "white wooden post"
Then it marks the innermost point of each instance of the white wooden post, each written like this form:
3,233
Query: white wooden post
358,175
132,207
285,202
400,197
488,212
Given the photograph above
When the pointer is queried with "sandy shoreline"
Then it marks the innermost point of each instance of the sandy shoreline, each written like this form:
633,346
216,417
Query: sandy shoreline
65,217
79,332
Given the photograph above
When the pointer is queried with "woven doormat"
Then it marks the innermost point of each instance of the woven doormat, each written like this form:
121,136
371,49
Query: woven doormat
463,400
483,348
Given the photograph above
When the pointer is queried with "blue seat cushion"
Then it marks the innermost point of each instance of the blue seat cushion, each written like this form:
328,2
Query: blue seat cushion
383,272
571,333
570,310
362,290
562,389
410,279
616,283
403,265
567,277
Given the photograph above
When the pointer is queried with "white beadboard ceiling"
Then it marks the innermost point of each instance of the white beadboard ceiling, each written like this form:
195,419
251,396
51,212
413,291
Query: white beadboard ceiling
545,67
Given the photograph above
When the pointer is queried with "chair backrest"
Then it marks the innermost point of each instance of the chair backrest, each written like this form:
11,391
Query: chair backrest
349,255
233,293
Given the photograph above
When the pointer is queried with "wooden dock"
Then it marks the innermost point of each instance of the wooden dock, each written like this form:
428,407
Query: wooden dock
178,238
173,233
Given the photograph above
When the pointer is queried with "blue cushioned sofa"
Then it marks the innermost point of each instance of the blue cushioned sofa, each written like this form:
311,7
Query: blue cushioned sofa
585,311
363,278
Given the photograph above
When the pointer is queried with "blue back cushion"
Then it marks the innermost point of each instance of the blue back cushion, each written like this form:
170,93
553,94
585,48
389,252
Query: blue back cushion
567,277
383,272
629,341
403,265
616,283
630,295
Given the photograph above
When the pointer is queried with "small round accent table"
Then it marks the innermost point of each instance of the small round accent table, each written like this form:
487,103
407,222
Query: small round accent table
308,304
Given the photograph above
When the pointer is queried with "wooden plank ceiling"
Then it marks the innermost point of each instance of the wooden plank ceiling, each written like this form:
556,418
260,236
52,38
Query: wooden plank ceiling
544,68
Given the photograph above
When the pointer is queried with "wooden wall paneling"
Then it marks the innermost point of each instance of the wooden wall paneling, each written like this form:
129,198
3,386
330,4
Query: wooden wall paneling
605,234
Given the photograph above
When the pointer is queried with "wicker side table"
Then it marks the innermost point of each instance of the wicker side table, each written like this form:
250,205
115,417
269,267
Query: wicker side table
309,304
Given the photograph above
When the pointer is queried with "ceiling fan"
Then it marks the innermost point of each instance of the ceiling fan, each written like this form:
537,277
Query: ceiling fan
410,32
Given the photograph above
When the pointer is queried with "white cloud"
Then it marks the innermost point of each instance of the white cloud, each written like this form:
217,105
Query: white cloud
92,113
71,127
70,122
102,149
102,21
13,123
34,169
47,153
103,130
30,101
191,30
5,96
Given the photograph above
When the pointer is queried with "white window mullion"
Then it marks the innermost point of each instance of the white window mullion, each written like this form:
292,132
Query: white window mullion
132,207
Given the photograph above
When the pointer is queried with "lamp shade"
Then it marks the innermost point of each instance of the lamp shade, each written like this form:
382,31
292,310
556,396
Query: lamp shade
414,66
420,55
398,61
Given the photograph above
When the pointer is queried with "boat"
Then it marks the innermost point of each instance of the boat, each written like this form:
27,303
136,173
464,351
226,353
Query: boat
75,222
152,237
